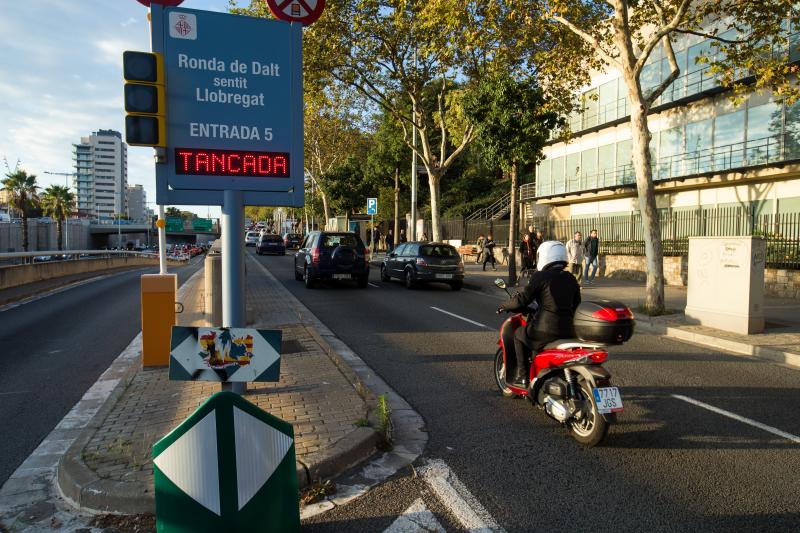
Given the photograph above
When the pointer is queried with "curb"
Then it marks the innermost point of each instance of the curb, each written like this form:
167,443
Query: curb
772,355
80,485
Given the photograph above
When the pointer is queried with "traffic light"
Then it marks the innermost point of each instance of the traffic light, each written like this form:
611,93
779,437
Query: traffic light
145,101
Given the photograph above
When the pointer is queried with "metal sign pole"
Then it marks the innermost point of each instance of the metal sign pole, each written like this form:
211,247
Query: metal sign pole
233,311
162,241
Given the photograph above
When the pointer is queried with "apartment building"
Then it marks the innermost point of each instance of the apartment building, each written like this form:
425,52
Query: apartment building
137,202
101,174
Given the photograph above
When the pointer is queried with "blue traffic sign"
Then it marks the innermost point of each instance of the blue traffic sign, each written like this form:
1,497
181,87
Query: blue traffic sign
234,101
372,206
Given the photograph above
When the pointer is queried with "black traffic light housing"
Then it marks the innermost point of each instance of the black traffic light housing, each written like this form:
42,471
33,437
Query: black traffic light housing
145,101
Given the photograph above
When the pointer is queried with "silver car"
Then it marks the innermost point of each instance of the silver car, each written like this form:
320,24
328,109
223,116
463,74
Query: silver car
251,238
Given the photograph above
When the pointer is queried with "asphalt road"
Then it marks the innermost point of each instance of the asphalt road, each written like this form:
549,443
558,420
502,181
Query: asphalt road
669,465
53,349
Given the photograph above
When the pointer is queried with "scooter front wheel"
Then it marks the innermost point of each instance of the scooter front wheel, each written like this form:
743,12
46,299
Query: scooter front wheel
591,429
500,374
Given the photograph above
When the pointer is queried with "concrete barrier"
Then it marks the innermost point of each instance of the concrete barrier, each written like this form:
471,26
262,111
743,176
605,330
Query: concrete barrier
14,276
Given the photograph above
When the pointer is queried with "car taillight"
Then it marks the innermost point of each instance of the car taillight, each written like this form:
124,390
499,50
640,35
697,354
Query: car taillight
366,256
611,314
315,256
422,262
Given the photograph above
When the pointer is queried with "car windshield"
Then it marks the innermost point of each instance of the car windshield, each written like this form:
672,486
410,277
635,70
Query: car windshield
294,236
438,250
342,239
251,234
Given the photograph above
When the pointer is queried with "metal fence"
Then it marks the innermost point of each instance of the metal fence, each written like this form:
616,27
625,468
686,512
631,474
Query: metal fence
624,234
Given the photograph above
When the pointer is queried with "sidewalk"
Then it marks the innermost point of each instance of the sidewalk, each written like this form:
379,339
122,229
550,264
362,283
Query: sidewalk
109,468
779,343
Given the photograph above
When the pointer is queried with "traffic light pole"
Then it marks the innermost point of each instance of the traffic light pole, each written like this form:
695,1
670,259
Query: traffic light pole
233,309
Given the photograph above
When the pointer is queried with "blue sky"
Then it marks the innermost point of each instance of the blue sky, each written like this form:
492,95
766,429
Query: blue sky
61,78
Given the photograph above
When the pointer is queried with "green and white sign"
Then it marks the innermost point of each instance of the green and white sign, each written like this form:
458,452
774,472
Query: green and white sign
174,224
202,224
228,467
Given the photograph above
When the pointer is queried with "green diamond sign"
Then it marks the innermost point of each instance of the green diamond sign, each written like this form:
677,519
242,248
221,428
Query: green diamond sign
228,467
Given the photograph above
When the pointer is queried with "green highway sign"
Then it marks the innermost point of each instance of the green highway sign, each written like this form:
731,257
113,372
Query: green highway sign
174,224
228,467
202,224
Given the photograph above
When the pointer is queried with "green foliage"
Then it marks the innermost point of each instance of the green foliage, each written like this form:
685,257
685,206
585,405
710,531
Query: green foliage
22,189
348,188
513,125
172,212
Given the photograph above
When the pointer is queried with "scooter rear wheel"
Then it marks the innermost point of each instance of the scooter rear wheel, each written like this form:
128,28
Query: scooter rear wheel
500,374
592,429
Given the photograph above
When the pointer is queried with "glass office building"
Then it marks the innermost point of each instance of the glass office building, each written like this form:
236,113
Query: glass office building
705,150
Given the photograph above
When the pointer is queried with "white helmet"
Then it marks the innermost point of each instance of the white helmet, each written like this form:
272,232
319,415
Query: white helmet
549,253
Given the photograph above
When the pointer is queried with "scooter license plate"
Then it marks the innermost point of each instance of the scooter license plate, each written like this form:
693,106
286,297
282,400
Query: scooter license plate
608,399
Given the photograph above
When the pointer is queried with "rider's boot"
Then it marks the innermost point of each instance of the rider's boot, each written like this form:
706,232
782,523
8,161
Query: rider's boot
520,379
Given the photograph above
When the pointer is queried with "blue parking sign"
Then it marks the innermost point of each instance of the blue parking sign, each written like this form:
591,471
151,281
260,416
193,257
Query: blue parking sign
372,206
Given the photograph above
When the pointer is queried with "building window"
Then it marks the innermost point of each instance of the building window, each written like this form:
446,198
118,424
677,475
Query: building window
624,164
557,173
608,103
764,123
670,149
543,181
590,106
729,140
698,147
605,165
589,169
572,171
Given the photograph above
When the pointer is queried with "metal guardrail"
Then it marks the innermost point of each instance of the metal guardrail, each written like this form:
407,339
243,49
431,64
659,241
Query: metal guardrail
76,255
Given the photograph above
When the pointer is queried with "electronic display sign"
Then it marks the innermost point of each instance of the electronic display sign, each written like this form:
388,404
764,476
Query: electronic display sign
234,106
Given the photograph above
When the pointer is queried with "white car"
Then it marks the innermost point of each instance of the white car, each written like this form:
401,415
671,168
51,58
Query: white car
251,238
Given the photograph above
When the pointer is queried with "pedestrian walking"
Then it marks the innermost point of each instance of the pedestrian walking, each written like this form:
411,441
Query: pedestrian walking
592,248
479,247
390,240
402,237
525,252
488,252
575,254
424,236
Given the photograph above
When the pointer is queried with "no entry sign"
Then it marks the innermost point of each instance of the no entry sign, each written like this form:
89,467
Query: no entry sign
303,11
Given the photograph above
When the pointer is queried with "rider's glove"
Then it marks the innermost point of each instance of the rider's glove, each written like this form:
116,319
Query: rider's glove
500,309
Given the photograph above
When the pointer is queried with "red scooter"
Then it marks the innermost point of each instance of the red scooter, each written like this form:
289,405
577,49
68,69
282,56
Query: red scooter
567,379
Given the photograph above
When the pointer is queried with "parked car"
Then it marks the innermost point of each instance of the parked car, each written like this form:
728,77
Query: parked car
292,240
421,262
251,238
270,244
332,255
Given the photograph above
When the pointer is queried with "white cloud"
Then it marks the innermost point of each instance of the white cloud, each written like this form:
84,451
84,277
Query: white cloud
128,22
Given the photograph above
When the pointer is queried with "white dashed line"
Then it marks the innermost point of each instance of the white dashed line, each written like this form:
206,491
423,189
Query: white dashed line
748,421
460,317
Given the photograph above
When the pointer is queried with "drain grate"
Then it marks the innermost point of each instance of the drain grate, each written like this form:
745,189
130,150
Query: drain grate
291,346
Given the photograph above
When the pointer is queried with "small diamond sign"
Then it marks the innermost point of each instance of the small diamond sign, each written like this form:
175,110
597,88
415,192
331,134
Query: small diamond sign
224,354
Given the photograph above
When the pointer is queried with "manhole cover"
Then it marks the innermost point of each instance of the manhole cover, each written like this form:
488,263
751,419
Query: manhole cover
291,346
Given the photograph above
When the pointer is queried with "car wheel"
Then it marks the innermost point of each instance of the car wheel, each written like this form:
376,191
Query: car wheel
308,279
363,281
410,281
456,285
385,274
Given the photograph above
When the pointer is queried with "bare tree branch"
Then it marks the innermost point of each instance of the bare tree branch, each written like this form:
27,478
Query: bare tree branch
662,32
673,75
711,36
588,39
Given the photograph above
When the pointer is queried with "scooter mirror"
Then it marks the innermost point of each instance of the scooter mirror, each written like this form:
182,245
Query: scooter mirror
500,283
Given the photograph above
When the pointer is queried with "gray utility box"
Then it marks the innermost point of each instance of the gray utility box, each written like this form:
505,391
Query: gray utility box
726,283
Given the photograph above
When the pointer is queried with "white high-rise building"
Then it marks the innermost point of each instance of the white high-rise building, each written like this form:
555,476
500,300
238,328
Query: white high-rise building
101,174
137,202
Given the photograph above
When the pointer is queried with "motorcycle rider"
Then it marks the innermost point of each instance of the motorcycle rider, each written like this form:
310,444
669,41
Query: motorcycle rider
557,294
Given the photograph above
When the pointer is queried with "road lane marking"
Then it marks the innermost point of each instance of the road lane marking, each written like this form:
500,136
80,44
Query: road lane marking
723,412
373,285
415,518
460,317
457,498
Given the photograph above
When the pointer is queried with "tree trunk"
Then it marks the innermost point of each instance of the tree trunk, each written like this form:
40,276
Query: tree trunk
645,188
325,208
434,182
512,228
396,207
60,230
24,231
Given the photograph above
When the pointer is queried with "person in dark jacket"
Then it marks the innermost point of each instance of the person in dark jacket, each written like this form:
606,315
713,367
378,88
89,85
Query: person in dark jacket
488,252
592,248
525,252
557,295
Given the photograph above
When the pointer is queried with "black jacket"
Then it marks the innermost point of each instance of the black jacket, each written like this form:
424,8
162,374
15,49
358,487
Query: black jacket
557,294
592,247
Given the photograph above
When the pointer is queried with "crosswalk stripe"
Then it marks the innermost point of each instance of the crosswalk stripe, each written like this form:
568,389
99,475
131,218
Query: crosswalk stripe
415,518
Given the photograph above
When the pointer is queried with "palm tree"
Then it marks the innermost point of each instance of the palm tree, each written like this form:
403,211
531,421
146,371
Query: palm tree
58,202
22,189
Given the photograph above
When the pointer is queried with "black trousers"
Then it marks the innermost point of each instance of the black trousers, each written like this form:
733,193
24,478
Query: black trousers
528,341
487,257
